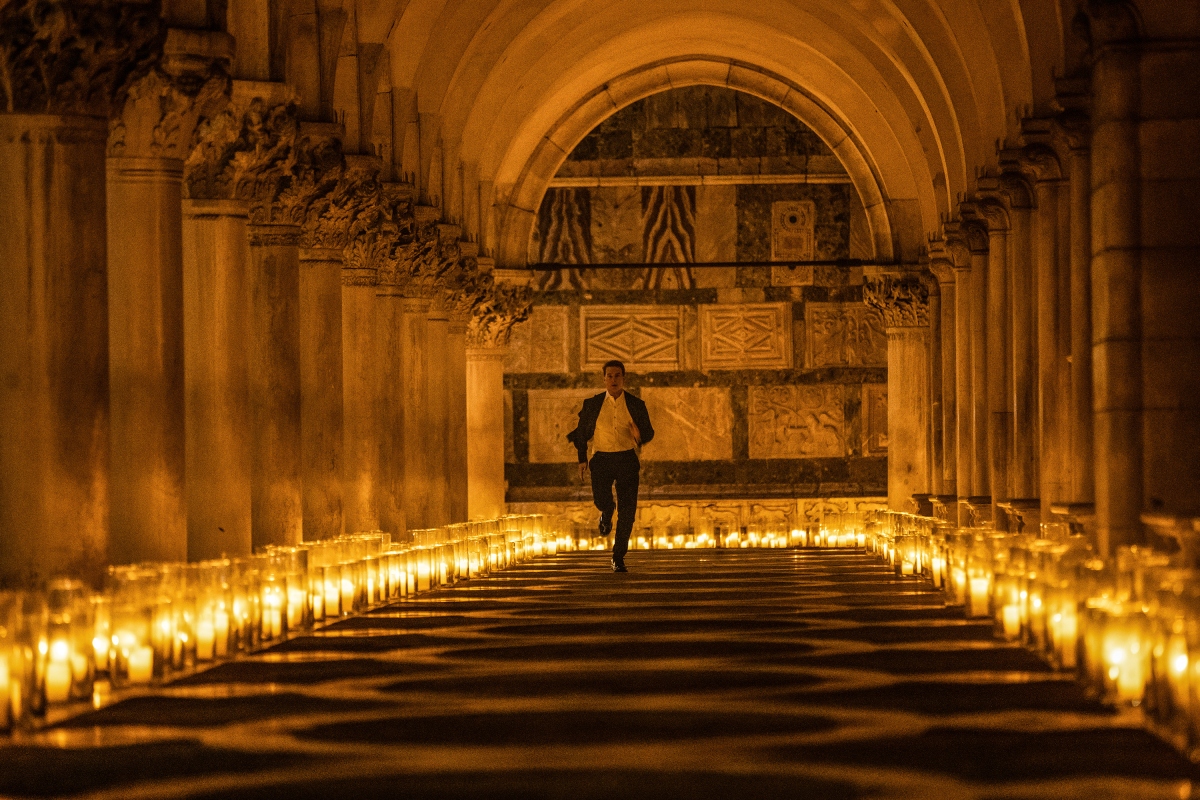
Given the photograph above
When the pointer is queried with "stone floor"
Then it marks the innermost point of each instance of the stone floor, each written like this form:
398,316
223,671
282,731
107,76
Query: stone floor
699,674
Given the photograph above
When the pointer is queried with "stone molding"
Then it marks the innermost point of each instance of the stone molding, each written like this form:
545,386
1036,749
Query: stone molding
902,299
273,235
74,58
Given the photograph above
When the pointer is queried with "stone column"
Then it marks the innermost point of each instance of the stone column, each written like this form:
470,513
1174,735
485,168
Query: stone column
960,262
456,407
438,415
937,454
981,472
413,397
321,390
147,147
389,407
943,270
1023,433
485,432
273,348
363,463
61,69
1116,216
904,302
1054,354
1082,427
217,431
999,357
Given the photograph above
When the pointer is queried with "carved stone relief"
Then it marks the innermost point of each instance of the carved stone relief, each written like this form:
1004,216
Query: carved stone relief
690,424
745,336
903,299
844,335
793,226
797,275
797,421
814,511
539,344
553,413
875,419
643,337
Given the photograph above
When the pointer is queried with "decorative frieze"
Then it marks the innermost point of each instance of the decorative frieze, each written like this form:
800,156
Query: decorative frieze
844,335
902,299
642,337
794,421
746,336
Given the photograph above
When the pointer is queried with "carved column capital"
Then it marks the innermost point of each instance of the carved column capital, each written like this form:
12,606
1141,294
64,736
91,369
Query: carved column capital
328,217
75,58
162,107
281,192
496,310
902,299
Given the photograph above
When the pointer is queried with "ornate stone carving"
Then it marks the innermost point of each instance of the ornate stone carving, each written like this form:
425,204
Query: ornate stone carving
797,421
280,191
495,309
328,217
552,414
161,109
246,151
540,343
745,336
643,337
71,57
844,335
874,419
691,424
902,299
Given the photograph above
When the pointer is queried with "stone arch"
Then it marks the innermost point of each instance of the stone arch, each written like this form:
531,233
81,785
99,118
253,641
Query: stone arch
515,214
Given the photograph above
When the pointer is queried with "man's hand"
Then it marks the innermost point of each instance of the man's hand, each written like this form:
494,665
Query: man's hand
583,470
633,429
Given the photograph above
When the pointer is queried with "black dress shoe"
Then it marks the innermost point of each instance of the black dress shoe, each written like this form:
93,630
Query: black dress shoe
605,524
618,566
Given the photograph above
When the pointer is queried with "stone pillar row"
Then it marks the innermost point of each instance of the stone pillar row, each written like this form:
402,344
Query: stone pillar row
199,354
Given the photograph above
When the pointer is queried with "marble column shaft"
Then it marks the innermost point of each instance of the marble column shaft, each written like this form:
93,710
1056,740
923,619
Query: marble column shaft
437,427
1023,434
937,453
413,397
321,413
999,368
364,482
388,409
949,382
1082,429
1053,356
485,432
217,402
964,436
981,472
908,415
456,408
54,400
274,381
145,313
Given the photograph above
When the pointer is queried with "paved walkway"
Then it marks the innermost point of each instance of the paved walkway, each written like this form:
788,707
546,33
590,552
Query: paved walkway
700,674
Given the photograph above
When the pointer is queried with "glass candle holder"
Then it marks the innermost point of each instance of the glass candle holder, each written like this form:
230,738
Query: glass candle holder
18,649
102,631
134,659
214,610
70,630
979,578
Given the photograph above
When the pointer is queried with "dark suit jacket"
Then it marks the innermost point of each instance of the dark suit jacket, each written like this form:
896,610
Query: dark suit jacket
591,412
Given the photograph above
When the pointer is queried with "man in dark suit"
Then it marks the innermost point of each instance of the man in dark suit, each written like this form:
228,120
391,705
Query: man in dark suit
613,425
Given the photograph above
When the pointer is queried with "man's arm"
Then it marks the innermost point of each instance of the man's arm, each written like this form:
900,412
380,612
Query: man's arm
641,421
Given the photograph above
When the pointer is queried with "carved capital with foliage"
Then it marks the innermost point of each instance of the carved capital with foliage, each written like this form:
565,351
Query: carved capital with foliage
902,299
496,309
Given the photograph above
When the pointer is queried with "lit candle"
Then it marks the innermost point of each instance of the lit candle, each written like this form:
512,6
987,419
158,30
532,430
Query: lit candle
100,651
979,597
58,672
205,639
140,663
296,600
5,689
1011,619
221,632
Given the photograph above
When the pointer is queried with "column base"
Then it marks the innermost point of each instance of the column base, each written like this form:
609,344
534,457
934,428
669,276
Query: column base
1021,515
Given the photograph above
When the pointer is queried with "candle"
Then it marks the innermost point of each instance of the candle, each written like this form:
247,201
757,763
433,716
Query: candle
221,633
140,663
58,682
100,651
1068,632
1011,618
296,600
978,598
6,705
205,639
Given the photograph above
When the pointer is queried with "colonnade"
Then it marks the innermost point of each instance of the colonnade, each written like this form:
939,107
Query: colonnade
1055,322
221,331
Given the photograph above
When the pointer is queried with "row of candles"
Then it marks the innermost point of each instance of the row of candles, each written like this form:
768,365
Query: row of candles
1128,626
155,621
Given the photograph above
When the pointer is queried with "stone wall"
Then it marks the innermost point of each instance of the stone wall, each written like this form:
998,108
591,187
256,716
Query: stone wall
766,378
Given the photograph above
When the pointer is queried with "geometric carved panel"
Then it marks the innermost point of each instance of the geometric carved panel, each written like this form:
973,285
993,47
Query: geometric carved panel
875,419
690,424
797,421
553,413
844,335
746,336
539,344
643,337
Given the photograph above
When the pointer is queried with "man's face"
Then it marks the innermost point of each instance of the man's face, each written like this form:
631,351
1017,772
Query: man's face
614,381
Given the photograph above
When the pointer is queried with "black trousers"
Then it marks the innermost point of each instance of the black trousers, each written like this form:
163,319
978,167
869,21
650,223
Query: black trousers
624,470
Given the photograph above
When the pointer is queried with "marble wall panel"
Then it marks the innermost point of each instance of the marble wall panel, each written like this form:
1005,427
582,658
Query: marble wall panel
616,215
875,419
553,413
690,424
510,452
815,511
716,223
539,344
793,421
645,337
844,335
798,275
746,336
